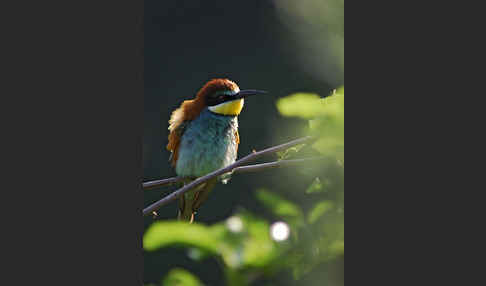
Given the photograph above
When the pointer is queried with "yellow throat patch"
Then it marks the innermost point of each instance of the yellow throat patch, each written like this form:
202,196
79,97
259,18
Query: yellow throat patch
233,107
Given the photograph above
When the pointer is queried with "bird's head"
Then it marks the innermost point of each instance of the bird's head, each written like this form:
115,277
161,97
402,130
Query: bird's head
224,97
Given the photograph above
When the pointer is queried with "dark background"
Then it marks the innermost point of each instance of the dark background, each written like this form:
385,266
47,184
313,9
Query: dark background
190,42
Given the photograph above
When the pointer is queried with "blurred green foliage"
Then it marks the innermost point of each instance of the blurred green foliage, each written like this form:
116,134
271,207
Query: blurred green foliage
323,232
326,117
181,277
244,244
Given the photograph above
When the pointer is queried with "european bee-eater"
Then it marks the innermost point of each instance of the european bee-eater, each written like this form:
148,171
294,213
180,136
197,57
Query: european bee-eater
204,137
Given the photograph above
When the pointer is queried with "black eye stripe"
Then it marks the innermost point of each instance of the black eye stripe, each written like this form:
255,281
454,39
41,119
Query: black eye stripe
217,98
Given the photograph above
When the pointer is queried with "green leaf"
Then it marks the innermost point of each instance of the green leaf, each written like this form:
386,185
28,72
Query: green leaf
316,186
259,250
278,205
318,210
311,105
304,105
181,277
162,234
326,119
336,248
251,246
286,154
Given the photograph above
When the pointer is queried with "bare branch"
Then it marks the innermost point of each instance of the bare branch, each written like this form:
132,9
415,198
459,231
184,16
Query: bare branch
243,169
160,183
273,165
253,156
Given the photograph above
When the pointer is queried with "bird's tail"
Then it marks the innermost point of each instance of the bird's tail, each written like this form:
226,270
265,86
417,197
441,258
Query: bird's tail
190,202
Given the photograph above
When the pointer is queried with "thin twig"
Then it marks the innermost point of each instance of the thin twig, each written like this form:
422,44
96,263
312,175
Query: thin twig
163,182
272,165
253,156
243,169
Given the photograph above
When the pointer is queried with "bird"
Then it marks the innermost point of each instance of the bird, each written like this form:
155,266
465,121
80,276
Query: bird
204,137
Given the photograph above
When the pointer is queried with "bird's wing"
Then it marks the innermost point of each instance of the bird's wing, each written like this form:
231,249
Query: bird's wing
174,140
237,136
179,119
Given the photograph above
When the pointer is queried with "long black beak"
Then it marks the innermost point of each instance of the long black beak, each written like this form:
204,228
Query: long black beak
225,98
246,93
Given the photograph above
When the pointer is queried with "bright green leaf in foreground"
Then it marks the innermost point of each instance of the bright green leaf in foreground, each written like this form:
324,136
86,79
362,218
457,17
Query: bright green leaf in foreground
248,245
162,234
259,250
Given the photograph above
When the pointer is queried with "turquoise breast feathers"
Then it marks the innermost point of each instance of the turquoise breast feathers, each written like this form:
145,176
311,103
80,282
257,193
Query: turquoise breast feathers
207,144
